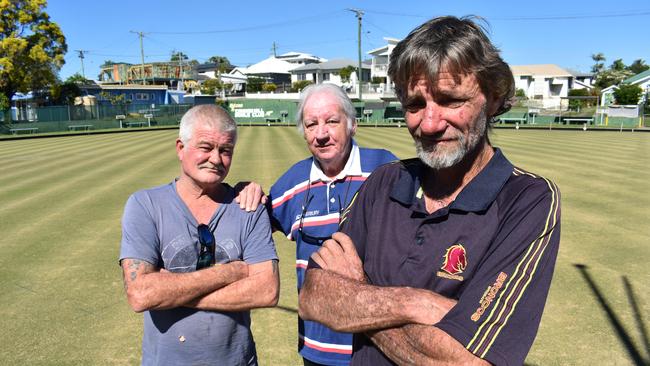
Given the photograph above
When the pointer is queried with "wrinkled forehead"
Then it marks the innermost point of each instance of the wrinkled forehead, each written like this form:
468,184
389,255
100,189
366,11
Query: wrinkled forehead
443,82
322,103
211,130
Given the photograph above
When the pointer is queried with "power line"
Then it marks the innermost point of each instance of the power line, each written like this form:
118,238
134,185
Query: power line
319,17
620,14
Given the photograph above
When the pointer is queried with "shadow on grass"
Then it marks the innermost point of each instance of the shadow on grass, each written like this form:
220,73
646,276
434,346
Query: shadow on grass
623,335
287,309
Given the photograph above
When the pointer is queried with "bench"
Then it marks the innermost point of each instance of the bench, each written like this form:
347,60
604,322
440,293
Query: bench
578,120
15,131
512,119
135,124
398,120
79,127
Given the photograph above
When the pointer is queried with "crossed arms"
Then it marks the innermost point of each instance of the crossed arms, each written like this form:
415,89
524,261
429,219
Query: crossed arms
235,286
399,320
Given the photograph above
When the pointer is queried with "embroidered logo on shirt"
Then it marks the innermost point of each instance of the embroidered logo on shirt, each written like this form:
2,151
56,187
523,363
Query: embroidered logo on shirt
489,296
454,264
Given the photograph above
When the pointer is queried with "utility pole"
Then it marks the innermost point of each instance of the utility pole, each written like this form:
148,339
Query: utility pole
81,57
274,48
359,13
141,34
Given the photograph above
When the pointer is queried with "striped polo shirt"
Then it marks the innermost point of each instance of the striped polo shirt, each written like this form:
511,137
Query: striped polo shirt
305,196
493,250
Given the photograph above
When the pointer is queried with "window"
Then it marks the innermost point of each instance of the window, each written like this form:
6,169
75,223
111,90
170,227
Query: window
302,77
141,96
326,76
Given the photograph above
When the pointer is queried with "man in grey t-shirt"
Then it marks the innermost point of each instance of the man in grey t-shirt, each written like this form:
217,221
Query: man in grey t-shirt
195,312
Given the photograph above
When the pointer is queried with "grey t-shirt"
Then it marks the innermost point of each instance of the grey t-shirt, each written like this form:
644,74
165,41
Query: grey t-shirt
157,227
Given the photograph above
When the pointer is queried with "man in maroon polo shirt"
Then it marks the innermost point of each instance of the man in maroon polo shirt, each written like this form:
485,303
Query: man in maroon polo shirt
446,258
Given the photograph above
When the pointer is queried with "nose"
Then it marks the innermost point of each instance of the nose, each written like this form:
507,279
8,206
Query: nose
322,132
432,121
214,157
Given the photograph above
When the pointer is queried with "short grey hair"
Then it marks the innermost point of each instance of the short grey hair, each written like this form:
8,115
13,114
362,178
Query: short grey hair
208,114
341,96
455,45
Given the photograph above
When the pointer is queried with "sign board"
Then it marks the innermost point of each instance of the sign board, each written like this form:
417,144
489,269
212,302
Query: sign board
148,116
120,116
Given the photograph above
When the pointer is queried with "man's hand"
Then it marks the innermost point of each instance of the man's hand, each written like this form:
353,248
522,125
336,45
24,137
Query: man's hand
339,255
249,195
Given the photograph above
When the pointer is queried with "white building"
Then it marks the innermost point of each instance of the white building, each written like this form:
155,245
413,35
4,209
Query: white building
547,84
277,70
327,72
381,59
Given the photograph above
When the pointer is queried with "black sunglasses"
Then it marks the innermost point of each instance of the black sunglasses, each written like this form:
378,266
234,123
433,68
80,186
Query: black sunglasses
317,240
206,254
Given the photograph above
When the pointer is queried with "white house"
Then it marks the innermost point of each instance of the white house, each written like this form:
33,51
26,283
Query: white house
326,72
381,59
277,69
642,80
581,80
546,83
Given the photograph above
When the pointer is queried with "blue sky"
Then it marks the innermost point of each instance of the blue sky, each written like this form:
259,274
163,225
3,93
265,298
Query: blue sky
565,33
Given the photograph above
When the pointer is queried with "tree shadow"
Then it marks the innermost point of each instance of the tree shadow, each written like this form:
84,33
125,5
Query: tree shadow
623,335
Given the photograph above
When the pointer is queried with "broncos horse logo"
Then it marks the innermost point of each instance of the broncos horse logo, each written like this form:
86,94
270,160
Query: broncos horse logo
455,260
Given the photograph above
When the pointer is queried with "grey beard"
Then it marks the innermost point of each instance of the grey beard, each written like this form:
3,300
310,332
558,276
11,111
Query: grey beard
439,160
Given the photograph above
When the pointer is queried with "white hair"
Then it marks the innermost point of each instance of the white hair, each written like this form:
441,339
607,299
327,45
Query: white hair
341,96
208,114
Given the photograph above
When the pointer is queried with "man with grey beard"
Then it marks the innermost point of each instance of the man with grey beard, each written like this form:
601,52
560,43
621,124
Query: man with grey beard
446,258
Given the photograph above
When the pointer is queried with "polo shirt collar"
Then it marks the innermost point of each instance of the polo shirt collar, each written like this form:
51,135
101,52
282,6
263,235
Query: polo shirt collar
352,167
476,196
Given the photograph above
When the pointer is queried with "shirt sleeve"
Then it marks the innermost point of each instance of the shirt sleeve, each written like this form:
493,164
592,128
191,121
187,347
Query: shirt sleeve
139,236
259,246
281,211
498,313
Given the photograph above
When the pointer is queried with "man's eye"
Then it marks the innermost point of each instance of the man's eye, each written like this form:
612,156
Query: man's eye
310,125
452,103
414,106
332,121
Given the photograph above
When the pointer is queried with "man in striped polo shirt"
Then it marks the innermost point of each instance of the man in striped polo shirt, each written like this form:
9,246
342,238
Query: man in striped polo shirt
307,200
446,258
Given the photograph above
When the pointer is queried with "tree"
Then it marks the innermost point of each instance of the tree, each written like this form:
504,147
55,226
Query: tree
599,63
618,65
269,87
31,48
611,77
521,93
300,85
577,104
346,72
223,64
254,84
178,56
65,93
210,86
76,78
638,66
628,94
107,63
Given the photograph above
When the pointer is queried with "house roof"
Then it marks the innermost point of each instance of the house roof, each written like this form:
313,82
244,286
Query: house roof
133,87
383,50
579,73
335,64
299,56
638,78
272,65
541,70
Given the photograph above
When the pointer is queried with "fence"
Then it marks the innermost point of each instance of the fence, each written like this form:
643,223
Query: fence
71,118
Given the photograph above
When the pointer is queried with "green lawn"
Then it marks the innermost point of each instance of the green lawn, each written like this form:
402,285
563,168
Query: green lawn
62,198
